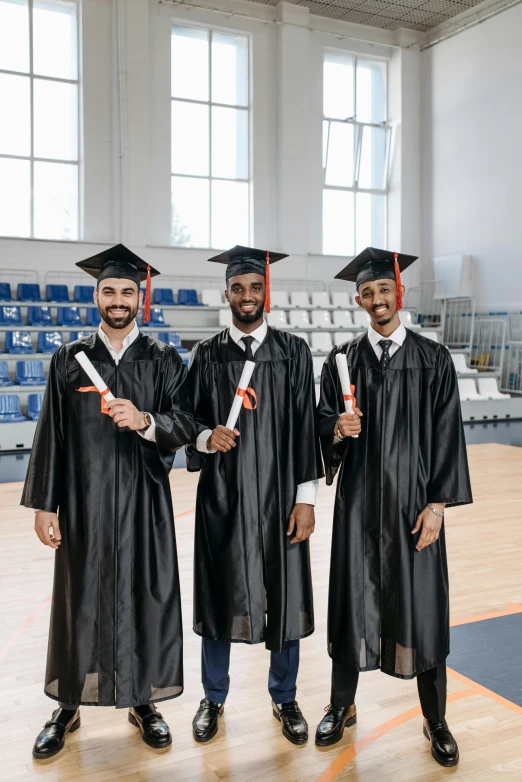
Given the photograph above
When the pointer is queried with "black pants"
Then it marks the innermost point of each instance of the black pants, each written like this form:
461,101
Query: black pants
432,686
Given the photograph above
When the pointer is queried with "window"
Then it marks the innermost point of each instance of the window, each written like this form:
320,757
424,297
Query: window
210,130
39,129
355,154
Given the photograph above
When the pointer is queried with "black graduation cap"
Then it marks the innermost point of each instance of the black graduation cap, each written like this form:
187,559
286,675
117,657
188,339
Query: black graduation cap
373,264
121,263
248,260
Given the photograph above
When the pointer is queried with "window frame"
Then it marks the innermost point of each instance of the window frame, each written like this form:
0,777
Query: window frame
31,158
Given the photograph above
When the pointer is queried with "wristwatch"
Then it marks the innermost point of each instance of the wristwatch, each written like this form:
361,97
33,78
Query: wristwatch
337,432
147,421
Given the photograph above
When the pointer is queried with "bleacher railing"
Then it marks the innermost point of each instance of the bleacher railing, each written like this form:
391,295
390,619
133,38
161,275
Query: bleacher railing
14,276
427,300
459,321
487,348
511,377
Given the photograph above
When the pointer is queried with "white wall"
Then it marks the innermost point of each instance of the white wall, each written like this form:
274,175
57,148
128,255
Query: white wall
472,161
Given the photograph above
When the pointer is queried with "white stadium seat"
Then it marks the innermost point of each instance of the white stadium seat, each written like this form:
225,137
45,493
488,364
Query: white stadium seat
320,299
277,319
279,298
406,319
340,337
468,391
318,366
488,386
342,318
299,319
303,335
212,297
430,335
341,299
321,319
459,359
299,299
321,342
352,297
225,318
360,318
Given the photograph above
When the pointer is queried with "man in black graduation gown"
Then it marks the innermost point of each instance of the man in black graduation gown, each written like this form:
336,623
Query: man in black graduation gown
256,496
388,601
98,477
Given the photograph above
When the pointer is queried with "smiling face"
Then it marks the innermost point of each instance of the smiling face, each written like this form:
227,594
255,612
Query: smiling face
379,299
118,301
246,295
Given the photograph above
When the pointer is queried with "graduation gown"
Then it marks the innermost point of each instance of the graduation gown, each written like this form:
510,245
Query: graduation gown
250,583
388,603
115,632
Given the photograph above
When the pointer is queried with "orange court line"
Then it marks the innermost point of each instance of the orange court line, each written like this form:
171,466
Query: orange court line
478,688
515,609
186,512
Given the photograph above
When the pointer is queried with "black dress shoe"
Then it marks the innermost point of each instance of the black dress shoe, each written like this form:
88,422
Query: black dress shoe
443,746
205,723
295,728
52,738
331,728
154,730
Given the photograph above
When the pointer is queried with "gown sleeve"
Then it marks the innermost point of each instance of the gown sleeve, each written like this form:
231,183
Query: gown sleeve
308,451
329,409
194,398
44,480
449,475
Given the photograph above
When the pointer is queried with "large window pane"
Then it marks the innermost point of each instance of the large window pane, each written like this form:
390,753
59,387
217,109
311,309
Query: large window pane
339,155
15,197
55,41
55,201
229,143
190,147
55,120
229,69
190,212
229,214
338,222
15,108
372,167
371,91
338,83
189,62
370,221
14,35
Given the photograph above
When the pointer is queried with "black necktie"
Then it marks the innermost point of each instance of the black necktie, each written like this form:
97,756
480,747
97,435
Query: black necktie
385,345
247,342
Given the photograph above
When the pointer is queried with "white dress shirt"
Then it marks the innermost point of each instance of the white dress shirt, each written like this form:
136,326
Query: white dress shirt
397,338
306,492
132,336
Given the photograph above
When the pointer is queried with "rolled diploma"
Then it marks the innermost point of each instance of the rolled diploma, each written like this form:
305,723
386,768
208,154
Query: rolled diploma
240,393
344,377
93,375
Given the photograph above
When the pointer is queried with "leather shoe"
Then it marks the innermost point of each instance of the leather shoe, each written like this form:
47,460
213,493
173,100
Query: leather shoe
51,740
205,723
443,746
331,728
154,730
294,725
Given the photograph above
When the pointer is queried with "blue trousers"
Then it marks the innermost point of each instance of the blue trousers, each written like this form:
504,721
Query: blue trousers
215,662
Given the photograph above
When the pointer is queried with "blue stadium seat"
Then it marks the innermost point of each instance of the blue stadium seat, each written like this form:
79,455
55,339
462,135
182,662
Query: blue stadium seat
83,294
56,293
28,292
93,317
30,373
5,292
18,342
10,316
163,297
188,297
49,341
69,316
39,315
156,317
34,405
172,338
74,335
10,412
5,380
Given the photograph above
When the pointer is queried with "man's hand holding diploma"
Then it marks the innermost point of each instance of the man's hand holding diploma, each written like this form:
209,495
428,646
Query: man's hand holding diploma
124,413
350,423
222,439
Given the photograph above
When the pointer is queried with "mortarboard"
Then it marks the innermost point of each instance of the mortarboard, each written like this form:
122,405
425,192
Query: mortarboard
122,263
247,260
373,264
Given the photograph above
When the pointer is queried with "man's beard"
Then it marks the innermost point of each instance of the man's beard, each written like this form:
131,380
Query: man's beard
120,322
248,317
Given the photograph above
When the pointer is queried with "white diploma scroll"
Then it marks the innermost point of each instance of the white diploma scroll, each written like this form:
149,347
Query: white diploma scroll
240,393
93,375
344,377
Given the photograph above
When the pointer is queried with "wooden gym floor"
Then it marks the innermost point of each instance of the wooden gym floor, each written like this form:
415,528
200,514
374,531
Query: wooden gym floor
485,555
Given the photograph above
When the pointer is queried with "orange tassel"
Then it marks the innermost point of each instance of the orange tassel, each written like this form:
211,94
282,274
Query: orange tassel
267,283
398,282
146,307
